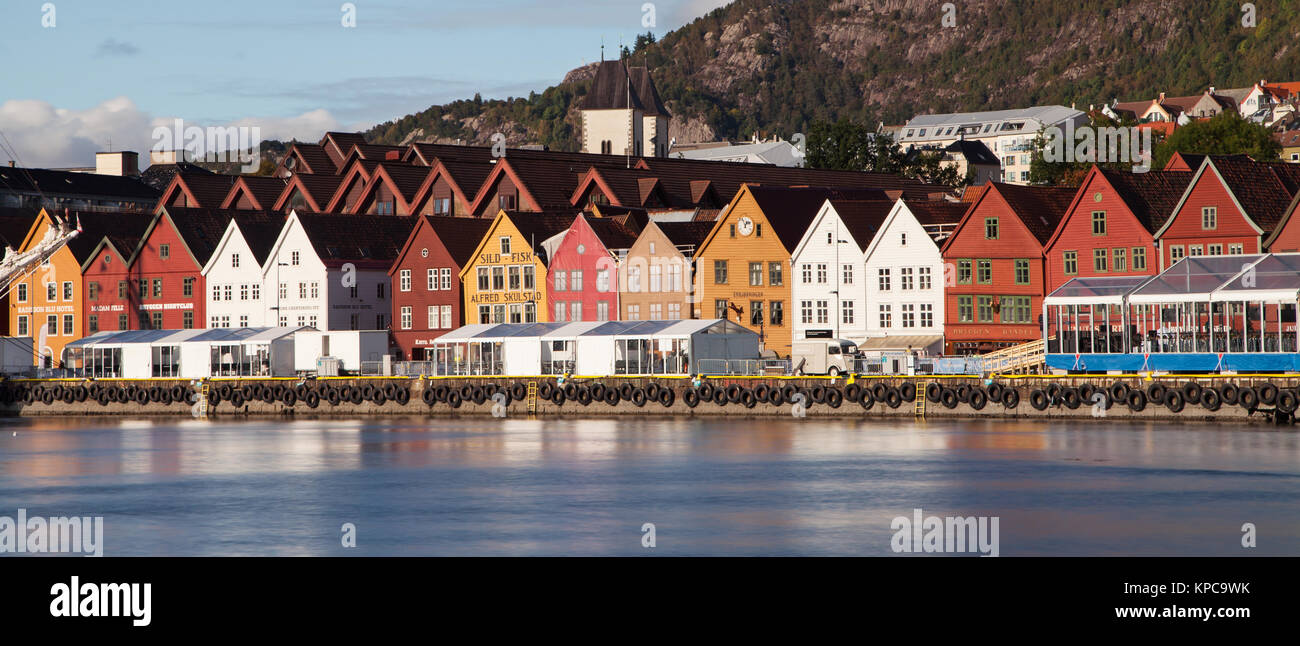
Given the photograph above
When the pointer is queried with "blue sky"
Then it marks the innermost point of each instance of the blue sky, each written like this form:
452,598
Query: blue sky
289,66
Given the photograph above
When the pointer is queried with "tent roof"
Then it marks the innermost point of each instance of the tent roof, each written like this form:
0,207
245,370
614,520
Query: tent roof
1275,277
170,337
1107,290
480,332
1193,278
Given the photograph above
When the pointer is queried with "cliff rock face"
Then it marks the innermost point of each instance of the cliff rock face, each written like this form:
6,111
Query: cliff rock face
776,66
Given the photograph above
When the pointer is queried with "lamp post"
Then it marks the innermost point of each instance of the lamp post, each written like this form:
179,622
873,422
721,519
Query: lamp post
278,265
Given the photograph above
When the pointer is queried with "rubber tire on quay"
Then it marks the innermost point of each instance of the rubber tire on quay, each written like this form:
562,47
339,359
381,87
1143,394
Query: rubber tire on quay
1267,394
720,396
380,398
598,391
546,390
705,391
625,391
747,398
963,393
356,397
557,397
733,393
427,396
1085,391
1010,398
994,392
638,397
1210,399
1039,399
1174,401
691,398
476,395
667,396
761,392
933,392
978,398
1248,399
834,397
949,398
652,391
878,391
819,394
1229,393
1287,402
570,390
787,393
584,396
1192,392
852,392
453,399
312,399
908,391
1137,400
1070,397
611,396
332,396
237,399
290,397
1119,391
867,400
776,398
893,398
1156,393
1053,391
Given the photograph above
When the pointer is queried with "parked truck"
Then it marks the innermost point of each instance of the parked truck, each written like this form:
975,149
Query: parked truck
824,357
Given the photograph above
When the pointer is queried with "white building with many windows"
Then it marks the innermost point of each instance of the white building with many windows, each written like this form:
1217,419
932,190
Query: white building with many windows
1008,133
904,275
236,295
828,286
330,271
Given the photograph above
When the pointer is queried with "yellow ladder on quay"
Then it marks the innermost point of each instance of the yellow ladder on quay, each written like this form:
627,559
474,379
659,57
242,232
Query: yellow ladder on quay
532,397
920,399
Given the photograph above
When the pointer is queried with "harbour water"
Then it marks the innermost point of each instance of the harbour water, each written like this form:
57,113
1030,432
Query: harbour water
435,486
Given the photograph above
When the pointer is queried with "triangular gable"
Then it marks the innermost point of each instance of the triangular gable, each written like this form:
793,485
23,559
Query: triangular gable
900,207
232,229
103,244
421,223
425,193
289,222
1094,173
482,244
153,224
593,179
970,213
1207,163
1287,217
717,224
296,185
176,186
503,167
356,173
380,177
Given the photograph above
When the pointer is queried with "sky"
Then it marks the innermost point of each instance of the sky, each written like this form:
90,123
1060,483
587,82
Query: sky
80,73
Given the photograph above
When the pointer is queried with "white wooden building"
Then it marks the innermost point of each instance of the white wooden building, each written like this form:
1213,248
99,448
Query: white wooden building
235,293
828,286
905,273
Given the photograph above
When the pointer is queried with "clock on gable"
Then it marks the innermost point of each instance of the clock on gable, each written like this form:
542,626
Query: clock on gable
745,226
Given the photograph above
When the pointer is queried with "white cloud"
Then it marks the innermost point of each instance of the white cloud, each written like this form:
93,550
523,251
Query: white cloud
48,136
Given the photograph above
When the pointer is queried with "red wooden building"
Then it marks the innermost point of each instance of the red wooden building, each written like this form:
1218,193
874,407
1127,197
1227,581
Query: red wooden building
994,278
158,283
1109,228
1230,207
427,295
584,269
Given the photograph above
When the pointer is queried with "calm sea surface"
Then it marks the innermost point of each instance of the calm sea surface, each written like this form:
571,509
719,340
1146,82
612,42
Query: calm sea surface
711,487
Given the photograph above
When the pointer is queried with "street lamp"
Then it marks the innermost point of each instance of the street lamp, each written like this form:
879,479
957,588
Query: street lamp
278,265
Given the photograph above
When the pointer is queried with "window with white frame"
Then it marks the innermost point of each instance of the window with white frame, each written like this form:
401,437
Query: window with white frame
882,276
846,312
406,317
404,280
886,317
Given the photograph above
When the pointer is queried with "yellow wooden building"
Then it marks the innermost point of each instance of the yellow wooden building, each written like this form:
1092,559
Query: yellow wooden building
742,269
505,279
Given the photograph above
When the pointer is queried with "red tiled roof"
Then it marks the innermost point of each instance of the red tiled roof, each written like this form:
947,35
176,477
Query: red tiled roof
791,210
367,241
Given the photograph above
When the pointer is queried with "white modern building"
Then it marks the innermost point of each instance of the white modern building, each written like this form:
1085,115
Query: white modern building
828,286
904,276
349,347
778,152
1008,133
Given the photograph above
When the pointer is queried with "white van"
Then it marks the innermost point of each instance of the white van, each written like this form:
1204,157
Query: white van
823,357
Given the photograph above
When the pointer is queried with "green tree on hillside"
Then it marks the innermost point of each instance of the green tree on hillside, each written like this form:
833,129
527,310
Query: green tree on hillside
1224,134
845,145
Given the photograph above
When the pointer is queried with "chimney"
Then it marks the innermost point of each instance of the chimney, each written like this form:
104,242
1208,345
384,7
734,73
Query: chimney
1211,89
1162,97
122,164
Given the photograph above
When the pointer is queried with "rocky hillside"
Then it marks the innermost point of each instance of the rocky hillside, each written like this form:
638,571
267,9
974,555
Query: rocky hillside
775,66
